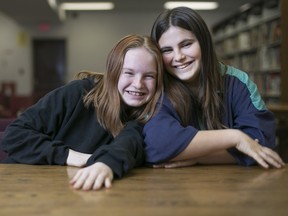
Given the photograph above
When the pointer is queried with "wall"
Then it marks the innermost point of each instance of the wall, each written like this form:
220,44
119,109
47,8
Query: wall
90,36
15,55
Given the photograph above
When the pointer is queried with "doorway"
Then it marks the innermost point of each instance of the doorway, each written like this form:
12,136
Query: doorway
49,65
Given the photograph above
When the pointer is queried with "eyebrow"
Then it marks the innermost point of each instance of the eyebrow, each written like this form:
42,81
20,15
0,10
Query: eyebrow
134,70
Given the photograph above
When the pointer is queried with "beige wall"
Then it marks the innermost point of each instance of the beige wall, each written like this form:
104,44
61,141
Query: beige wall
90,36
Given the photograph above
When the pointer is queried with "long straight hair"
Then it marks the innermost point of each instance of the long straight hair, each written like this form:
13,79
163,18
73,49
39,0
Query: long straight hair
209,97
111,111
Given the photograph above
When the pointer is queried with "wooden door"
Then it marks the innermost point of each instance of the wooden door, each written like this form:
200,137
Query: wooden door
49,60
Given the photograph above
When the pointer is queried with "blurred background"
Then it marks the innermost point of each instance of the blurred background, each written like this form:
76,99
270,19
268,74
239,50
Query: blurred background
42,46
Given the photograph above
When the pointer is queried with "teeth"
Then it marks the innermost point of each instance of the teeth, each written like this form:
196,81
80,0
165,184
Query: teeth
135,93
182,66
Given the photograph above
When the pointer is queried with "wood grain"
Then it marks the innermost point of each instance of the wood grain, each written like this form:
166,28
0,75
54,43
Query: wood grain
199,190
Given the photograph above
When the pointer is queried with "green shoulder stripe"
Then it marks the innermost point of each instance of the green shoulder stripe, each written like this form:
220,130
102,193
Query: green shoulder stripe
252,87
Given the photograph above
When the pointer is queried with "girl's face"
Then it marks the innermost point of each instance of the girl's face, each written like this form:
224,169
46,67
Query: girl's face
137,81
181,53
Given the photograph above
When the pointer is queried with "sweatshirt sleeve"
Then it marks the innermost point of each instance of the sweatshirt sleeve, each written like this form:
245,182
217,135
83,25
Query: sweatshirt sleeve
124,152
164,136
248,114
31,138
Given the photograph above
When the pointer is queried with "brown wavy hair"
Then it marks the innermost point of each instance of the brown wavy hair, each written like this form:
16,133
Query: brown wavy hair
111,112
208,100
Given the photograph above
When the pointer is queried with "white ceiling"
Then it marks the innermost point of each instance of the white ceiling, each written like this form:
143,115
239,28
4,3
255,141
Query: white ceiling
31,12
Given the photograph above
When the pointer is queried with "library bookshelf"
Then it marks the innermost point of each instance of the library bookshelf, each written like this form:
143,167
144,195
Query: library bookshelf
256,41
252,40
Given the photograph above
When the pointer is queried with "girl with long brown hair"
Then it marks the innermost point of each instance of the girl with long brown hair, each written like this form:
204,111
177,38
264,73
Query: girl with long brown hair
95,121
212,113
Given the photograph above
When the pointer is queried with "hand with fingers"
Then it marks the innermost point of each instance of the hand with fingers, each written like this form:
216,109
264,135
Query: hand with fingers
93,177
264,156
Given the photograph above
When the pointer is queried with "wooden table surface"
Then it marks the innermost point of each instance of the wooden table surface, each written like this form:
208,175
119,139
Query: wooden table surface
199,190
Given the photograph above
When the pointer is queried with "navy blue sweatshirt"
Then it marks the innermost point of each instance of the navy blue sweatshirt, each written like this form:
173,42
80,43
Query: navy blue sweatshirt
244,109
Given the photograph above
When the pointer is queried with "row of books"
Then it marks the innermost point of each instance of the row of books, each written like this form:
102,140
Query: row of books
245,20
251,41
267,33
268,85
260,60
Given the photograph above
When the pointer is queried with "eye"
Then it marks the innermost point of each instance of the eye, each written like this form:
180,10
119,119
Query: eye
187,44
166,50
150,76
129,73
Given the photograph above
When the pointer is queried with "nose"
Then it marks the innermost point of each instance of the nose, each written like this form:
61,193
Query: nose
179,55
137,82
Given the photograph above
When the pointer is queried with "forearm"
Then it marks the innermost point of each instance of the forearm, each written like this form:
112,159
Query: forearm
220,157
208,142
28,146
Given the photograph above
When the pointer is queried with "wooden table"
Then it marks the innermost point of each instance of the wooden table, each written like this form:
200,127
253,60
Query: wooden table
199,190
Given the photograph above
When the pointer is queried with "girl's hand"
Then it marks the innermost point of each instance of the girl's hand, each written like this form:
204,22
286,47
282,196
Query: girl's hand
93,177
263,155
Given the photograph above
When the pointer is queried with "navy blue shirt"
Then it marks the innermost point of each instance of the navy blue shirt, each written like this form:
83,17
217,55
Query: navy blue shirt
244,109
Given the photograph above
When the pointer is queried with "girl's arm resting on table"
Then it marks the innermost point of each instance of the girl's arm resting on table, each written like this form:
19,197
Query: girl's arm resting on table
30,139
220,157
112,160
125,152
207,142
28,146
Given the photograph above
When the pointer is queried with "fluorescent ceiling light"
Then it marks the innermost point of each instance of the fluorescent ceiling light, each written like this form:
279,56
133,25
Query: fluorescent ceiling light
193,5
52,3
87,6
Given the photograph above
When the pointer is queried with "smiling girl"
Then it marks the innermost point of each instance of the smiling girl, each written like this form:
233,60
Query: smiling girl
212,113
96,121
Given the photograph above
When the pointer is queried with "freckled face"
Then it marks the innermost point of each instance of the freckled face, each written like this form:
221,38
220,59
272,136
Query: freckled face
181,53
137,82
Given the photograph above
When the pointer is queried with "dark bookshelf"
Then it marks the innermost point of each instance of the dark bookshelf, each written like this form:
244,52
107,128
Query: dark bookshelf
256,41
251,40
